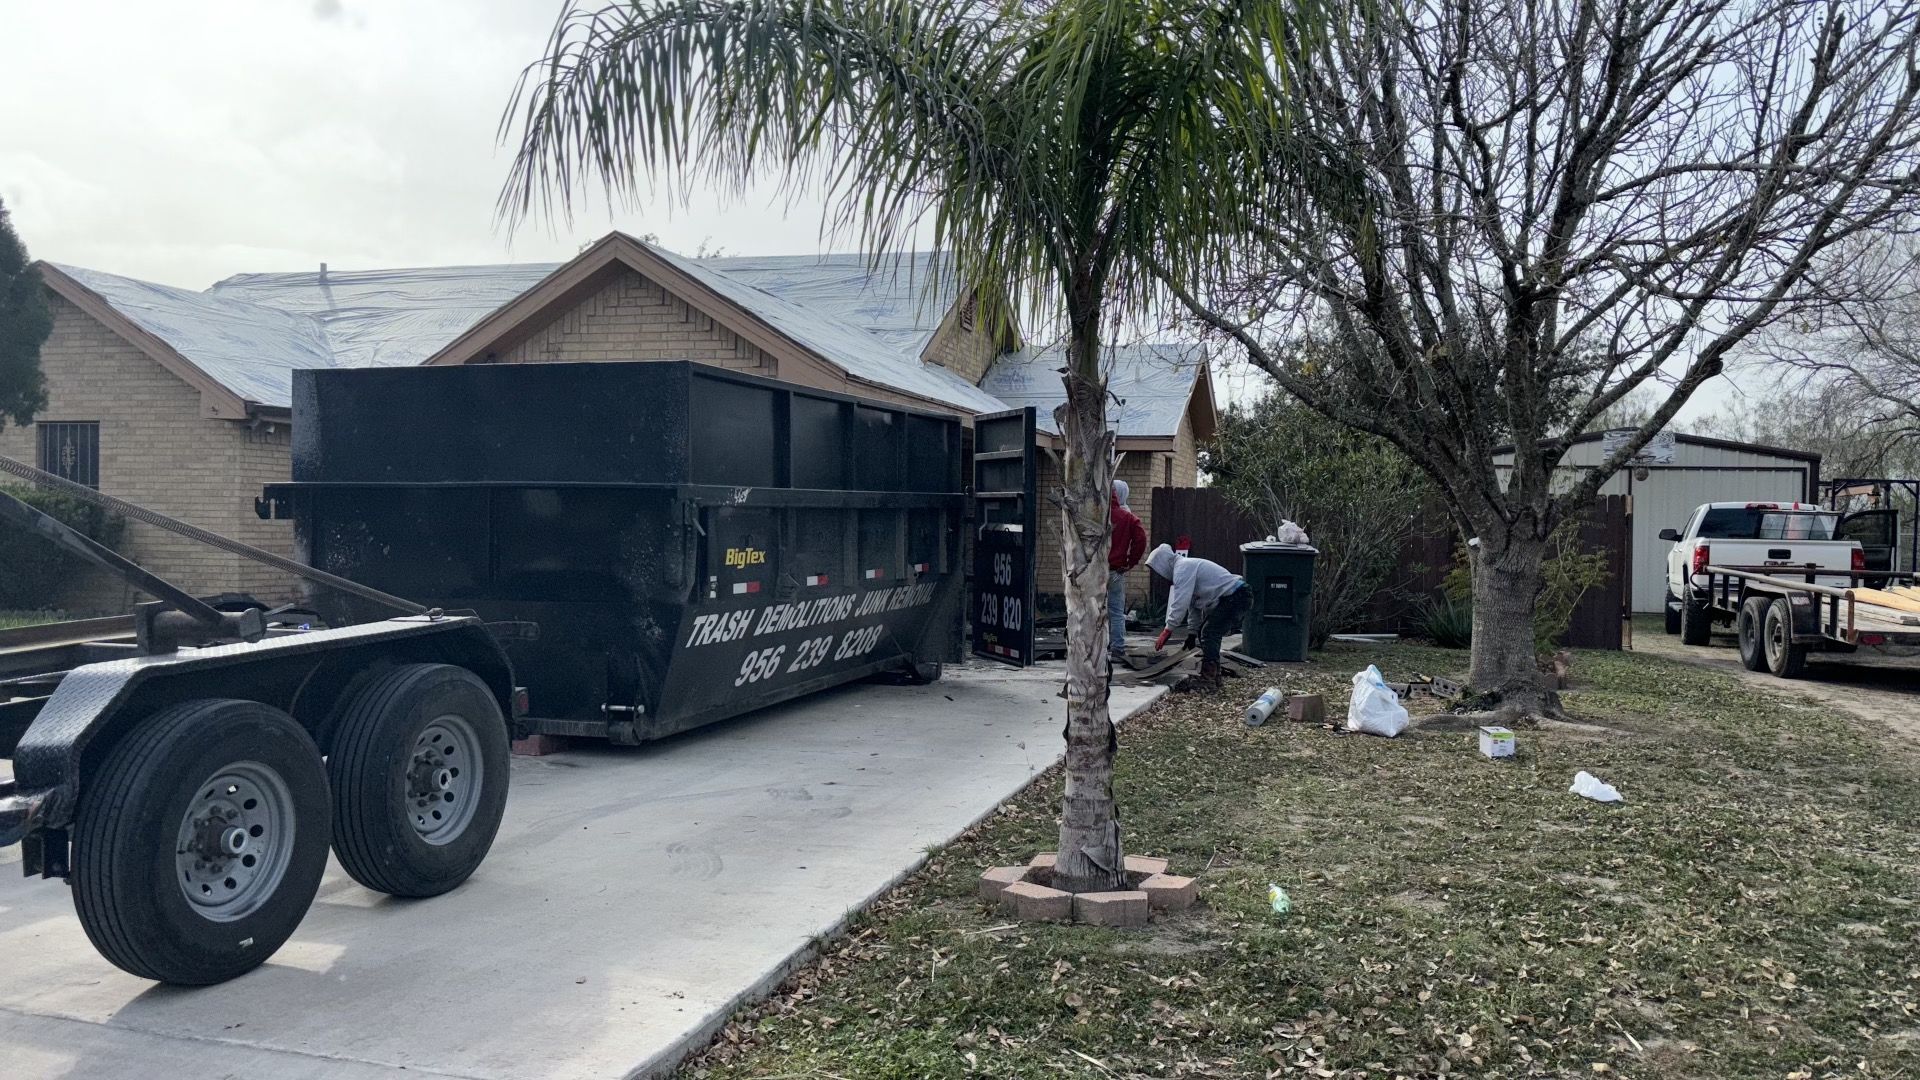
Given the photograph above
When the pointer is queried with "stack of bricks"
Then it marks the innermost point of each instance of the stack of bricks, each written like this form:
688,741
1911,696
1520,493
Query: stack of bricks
1026,892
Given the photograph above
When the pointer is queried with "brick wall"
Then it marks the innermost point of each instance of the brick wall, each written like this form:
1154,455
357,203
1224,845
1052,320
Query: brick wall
962,344
632,318
1142,471
157,450
1186,456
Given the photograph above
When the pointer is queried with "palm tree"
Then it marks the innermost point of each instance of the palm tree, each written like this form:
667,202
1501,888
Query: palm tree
1057,151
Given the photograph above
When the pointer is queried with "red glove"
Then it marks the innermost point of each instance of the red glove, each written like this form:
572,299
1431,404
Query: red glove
1160,642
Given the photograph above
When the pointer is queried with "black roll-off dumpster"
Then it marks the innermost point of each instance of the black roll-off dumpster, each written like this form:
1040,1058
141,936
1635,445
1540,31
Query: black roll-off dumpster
690,542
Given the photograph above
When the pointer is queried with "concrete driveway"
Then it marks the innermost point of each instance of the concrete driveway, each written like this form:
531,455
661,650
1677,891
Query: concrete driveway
1879,689
633,898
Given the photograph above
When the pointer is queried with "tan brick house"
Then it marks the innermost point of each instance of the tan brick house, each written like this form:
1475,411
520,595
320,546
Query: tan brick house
180,400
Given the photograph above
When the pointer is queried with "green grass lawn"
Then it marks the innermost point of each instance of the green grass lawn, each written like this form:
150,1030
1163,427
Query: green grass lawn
1750,911
10,619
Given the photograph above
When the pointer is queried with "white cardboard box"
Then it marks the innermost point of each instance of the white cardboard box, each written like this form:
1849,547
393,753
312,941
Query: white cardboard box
1496,742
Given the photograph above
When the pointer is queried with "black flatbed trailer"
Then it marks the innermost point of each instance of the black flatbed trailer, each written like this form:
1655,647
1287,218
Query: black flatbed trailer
1780,620
169,764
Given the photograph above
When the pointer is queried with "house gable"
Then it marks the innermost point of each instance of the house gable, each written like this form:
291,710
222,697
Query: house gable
217,402
829,363
632,318
963,343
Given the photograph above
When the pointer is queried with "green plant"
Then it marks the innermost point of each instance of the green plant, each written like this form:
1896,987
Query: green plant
1063,156
35,570
1357,496
25,323
1445,620
1566,574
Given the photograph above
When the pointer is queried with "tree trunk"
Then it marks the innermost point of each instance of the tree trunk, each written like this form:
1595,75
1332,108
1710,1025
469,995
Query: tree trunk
1090,858
1507,580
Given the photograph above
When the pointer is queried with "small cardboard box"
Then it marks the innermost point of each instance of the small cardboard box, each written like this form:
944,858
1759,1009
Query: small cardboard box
1496,742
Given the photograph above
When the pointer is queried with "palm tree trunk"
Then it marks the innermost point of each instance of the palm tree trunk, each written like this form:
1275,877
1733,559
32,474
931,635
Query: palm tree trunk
1090,857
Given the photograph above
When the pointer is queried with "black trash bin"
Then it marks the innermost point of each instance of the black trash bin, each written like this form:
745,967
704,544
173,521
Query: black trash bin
1281,577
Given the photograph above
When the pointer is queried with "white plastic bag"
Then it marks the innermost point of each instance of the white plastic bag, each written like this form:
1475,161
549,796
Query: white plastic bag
1289,533
1589,785
1373,708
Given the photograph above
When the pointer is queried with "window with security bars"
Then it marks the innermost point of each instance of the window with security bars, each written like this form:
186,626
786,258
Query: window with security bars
71,451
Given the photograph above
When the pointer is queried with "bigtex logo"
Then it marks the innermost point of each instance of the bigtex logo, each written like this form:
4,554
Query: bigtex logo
743,557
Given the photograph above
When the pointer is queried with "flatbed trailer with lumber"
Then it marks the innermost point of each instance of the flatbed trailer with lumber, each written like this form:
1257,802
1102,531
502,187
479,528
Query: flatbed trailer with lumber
1780,620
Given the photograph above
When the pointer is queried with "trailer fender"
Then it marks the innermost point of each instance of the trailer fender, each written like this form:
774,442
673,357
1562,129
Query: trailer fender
97,703
1806,616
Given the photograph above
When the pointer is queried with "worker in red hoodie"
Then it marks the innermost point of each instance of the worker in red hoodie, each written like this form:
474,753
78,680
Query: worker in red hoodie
1124,552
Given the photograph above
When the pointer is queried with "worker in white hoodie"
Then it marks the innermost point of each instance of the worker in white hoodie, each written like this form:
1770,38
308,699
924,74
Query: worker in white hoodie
1206,596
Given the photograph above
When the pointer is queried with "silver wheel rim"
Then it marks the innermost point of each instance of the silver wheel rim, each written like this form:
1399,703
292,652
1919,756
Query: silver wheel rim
235,841
1776,639
443,779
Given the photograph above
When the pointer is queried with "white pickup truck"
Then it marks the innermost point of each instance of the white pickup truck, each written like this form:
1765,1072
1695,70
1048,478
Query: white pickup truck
1793,541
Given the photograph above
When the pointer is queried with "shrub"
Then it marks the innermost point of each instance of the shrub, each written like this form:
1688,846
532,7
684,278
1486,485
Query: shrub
1445,621
1567,573
1357,497
36,569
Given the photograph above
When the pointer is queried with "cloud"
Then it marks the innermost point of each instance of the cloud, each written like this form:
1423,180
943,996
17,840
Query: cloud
327,10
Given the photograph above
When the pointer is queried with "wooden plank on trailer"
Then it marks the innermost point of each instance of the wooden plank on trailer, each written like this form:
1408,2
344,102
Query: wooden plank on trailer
1885,599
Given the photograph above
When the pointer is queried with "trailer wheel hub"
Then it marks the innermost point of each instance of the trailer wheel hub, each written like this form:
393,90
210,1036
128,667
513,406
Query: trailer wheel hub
443,779
235,841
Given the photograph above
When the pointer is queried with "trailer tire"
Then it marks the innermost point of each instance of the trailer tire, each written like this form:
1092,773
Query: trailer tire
240,777
1696,623
1784,658
1751,627
1672,609
419,772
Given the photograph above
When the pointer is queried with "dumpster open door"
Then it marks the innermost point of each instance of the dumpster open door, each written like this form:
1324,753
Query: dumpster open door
1005,535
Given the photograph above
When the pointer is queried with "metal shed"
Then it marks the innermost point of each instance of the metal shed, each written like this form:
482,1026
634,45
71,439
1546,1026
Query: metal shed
1678,472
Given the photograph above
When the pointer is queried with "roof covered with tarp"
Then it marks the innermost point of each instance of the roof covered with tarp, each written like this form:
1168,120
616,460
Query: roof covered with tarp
873,320
388,318
862,354
1150,384
900,299
248,348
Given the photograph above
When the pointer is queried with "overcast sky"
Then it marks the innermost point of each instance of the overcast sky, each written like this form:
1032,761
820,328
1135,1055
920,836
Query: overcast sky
186,140
182,141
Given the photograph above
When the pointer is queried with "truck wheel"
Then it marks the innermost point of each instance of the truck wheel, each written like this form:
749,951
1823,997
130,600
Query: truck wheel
200,842
1696,623
1784,658
1751,626
1672,609
419,772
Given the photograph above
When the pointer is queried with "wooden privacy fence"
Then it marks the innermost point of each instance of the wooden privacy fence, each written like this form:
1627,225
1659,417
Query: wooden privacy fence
1216,528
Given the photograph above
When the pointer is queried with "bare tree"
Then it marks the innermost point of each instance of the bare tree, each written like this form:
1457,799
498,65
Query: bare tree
1517,213
1855,434
1862,350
